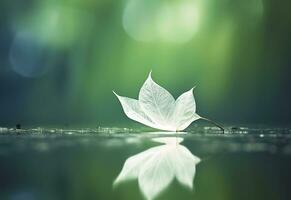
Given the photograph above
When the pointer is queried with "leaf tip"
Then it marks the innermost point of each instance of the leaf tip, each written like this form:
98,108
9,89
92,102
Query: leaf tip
150,74
192,88
115,93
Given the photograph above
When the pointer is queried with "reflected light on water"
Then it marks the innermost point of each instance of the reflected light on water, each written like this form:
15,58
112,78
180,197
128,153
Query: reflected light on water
158,166
168,21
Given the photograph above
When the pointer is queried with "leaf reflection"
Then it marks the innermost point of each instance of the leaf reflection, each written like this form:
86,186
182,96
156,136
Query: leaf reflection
158,166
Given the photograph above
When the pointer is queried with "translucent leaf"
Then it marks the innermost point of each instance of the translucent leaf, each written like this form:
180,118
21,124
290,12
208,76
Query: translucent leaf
157,108
156,167
132,165
133,111
184,111
157,103
185,166
157,173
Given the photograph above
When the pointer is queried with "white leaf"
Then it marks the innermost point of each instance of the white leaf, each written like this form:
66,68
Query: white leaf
156,167
133,164
156,102
157,108
184,111
185,166
133,111
157,173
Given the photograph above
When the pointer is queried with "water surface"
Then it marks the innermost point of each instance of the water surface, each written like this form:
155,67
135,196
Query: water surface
243,163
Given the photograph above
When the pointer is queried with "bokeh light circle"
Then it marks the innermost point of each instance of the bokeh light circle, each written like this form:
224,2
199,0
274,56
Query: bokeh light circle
27,55
165,20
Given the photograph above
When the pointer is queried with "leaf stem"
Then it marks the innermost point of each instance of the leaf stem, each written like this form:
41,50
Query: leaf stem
213,122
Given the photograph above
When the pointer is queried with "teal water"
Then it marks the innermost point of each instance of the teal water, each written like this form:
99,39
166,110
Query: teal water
55,164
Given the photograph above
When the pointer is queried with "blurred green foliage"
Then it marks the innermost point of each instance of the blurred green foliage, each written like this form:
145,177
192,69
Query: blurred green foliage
60,60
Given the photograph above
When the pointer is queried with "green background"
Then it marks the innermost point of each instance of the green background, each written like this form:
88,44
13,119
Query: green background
61,59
